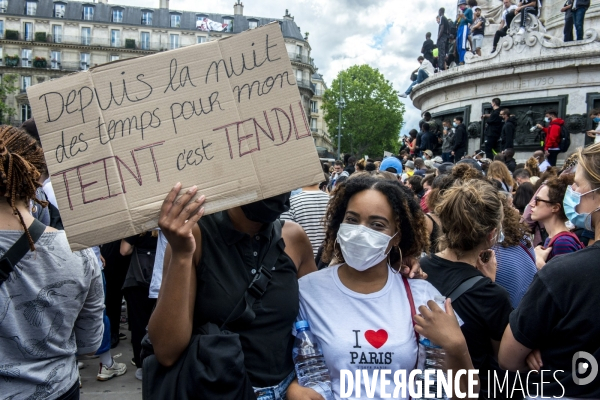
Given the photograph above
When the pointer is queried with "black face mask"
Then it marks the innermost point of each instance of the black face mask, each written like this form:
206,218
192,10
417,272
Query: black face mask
267,210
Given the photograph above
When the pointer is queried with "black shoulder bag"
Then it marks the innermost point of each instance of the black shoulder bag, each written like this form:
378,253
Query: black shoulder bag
12,257
212,366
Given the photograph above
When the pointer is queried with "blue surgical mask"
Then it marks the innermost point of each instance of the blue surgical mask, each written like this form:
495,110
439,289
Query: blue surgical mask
547,119
570,203
596,119
454,124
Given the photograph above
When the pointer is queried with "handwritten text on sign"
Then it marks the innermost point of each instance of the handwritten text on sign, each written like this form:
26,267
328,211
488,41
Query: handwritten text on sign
222,115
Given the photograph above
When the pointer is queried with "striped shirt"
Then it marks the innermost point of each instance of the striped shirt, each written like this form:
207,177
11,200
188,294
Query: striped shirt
564,244
516,269
308,209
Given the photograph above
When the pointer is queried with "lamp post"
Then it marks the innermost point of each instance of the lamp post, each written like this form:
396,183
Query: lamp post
340,104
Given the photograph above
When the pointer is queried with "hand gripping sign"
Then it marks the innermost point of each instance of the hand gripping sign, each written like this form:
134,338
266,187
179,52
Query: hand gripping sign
223,115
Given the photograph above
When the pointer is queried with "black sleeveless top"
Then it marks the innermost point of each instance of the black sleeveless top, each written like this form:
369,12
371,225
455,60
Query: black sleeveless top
434,237
229,261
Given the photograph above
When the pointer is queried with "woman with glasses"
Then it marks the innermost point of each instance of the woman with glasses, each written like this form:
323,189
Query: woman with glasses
555,329
547,209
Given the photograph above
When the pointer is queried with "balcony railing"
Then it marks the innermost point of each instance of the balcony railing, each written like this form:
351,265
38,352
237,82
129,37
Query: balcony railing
319,92
301,58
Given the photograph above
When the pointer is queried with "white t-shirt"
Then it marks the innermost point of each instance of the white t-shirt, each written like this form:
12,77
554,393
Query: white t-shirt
506,11
362,331
544,166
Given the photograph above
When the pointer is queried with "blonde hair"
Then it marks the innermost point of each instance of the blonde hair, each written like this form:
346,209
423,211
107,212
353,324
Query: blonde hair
589,160
361,164
499,170
469,211
532,166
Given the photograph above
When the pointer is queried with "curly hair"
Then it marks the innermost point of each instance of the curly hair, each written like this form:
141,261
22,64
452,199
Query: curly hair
410,220
21,163
469,211
462,172
532,166
514,230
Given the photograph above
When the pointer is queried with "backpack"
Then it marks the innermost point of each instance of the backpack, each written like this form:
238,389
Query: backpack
452,27
571,234
565,139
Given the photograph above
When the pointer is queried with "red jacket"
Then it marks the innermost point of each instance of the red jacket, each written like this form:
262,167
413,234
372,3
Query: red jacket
553,134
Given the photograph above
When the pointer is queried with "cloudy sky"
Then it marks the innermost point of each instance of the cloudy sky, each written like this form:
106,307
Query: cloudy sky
386,34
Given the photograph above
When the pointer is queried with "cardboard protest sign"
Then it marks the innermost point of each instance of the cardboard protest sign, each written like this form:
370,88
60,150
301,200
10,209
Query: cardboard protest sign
226,116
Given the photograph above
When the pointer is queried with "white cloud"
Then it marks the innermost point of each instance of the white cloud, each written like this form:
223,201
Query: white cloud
386,34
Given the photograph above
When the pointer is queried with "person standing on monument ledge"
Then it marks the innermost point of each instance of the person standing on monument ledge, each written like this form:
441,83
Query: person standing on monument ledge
552,142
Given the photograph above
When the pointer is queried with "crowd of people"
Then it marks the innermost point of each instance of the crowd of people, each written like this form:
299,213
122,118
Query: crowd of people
466,33
374,233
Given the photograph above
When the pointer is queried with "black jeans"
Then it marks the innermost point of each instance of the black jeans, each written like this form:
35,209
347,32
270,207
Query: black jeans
528,10
552,157
491,143
139,310
442,43
568,31
115,273
72,393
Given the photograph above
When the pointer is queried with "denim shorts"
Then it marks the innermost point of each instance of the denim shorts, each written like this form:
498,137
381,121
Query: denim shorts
277,392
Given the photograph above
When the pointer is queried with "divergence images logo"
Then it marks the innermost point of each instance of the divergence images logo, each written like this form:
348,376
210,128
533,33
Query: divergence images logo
580,368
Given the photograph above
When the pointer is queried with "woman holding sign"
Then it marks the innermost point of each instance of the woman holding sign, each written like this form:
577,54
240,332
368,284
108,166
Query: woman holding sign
209,265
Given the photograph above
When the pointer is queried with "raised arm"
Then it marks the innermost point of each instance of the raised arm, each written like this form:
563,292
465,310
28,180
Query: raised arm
170,327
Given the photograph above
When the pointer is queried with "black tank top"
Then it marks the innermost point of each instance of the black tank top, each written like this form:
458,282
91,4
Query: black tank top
434,237
229,261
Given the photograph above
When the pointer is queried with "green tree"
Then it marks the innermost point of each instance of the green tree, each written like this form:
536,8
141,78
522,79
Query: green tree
373,114
8,85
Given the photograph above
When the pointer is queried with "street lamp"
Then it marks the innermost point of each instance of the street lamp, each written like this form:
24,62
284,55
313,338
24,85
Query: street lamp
341,104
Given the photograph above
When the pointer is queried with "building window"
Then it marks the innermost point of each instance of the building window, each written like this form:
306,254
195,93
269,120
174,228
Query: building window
114,57
115,38
86,36
145,40
117,15
202,39
59,10
26,58
229,23
253,24
313,107
313,124
88,13
1,29
25,83
3,6
1,59
30,7
25,112
299,50
146,17
55,60
299,75
175,20
28,30
173,42
84,59
57,33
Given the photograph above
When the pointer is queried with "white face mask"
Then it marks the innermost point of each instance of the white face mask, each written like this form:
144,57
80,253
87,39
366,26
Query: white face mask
362,247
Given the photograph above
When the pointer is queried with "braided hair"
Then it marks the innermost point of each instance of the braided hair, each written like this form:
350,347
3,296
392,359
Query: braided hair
21,163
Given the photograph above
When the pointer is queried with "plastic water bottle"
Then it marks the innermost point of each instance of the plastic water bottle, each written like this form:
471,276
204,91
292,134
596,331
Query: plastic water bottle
310,364
434,359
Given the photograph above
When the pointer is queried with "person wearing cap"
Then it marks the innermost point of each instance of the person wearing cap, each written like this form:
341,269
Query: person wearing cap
409,170
445,168
428,154
478,30
391,164
462,34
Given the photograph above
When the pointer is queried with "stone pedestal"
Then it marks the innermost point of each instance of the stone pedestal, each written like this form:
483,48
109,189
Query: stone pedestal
530,73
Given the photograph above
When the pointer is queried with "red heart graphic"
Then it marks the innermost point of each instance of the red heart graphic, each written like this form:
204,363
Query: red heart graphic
376,339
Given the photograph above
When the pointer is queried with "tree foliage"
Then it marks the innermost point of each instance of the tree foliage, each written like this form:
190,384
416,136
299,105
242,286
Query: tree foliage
373,114
8,85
